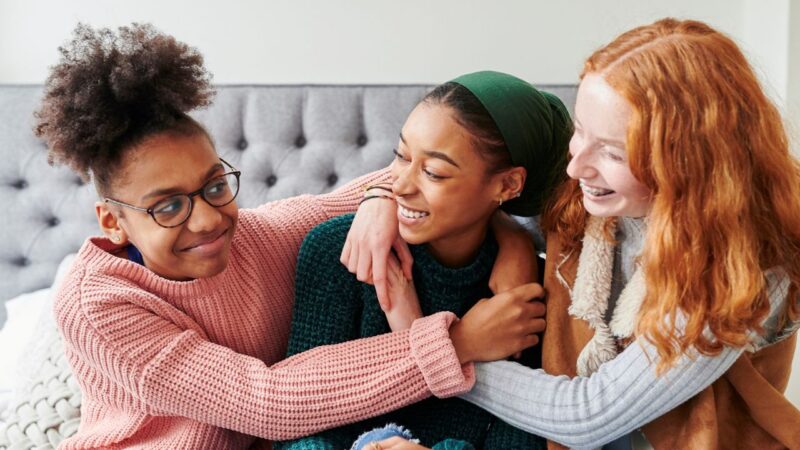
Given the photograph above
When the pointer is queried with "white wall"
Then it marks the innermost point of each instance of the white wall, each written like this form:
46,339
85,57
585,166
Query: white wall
354,41
413,41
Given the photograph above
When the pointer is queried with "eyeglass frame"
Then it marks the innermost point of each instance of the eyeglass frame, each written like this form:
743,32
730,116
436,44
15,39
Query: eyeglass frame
151,210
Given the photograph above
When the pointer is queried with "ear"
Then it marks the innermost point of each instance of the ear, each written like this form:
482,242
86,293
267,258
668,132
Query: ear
109,223
513,182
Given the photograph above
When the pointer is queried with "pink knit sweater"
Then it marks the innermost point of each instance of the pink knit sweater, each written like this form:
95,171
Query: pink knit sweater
197,364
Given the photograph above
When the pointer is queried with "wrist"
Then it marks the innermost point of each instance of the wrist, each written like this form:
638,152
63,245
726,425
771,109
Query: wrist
461,343
379,188
374,196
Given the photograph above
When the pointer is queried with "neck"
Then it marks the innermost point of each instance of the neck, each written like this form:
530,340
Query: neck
459,249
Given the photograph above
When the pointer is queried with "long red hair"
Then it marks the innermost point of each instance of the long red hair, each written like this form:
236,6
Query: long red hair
726,190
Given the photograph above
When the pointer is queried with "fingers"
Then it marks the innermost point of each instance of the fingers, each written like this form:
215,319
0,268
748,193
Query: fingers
352,260
382,290
380,280
345,256
537,325
537,309
404,255
393,270
364,266
530,341
524,292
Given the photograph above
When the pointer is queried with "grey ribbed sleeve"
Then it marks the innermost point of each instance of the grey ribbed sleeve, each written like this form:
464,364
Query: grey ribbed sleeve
623,395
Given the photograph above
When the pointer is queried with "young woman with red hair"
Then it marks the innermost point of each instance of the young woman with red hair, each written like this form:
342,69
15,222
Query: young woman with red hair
673,259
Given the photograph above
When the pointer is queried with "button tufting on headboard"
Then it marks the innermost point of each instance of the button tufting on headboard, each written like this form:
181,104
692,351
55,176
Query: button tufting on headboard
20,184
242,144
21,261
271,180
332,179
300,142
362,141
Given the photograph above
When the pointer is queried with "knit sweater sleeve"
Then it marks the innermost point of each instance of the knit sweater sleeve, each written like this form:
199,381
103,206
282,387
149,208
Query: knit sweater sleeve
327,310
623,395
343,200
163,367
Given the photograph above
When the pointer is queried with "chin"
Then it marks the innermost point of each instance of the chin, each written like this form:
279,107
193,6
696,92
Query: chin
208,267
597,212
211,270
412,238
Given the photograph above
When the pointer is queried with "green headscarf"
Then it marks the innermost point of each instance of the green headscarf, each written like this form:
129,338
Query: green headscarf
536,128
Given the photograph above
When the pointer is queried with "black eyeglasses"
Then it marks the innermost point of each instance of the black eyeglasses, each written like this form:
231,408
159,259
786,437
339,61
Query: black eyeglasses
173,211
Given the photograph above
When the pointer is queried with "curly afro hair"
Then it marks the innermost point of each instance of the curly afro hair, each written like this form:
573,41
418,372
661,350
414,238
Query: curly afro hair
110,91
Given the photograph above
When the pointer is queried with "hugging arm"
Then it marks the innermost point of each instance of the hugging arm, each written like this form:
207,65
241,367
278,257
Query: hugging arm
175,371
623,395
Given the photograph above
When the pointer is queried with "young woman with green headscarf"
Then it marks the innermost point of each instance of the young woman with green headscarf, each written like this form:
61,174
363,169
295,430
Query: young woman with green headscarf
483,141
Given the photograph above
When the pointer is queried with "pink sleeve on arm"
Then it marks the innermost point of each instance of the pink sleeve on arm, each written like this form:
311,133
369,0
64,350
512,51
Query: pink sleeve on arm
286,222
173,371
345,199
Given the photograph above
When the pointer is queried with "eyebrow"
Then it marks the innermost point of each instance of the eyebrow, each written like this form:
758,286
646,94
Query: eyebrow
614,142
175,190
434,153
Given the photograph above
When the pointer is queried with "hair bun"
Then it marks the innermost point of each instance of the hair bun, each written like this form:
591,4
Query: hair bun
109,85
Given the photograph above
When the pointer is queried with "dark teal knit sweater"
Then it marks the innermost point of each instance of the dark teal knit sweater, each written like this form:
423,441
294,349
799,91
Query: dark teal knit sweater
332,306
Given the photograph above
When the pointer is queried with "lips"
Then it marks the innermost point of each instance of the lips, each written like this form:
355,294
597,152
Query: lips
409,213
595,191
206,240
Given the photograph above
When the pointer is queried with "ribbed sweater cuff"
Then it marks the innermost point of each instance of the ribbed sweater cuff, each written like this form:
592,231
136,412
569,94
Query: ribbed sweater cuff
436,357
345,199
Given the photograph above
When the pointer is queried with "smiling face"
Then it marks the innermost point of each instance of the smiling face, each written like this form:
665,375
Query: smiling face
599,158
445,193
160,166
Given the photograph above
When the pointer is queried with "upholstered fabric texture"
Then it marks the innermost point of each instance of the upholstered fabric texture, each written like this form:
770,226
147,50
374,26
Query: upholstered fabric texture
287,140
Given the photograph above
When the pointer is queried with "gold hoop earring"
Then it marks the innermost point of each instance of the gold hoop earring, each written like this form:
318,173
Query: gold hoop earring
500,203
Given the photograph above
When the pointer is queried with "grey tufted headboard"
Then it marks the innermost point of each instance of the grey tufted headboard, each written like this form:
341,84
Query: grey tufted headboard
287,140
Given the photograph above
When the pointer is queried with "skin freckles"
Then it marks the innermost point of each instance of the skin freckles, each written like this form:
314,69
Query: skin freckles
599,158
163,165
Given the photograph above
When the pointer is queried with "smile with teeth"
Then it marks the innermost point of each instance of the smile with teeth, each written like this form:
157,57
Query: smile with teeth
593,191
411,214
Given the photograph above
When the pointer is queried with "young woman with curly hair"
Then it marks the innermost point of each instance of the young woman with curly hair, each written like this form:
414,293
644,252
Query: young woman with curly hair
176,320
673,259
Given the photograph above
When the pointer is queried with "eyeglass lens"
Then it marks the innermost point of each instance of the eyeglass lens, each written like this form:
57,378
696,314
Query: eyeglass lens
219,191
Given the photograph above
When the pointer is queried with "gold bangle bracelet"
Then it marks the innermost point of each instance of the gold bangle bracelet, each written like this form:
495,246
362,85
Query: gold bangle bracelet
370,197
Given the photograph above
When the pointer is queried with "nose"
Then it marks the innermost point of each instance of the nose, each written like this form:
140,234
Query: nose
403,182
205,218
580,164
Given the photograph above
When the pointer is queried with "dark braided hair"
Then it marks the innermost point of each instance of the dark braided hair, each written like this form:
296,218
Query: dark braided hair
110,91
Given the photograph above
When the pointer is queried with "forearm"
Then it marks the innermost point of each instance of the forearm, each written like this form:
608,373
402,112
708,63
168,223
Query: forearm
516,262
346,199
323,388
587,412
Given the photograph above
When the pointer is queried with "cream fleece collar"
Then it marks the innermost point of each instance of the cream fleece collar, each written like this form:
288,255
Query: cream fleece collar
590,297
